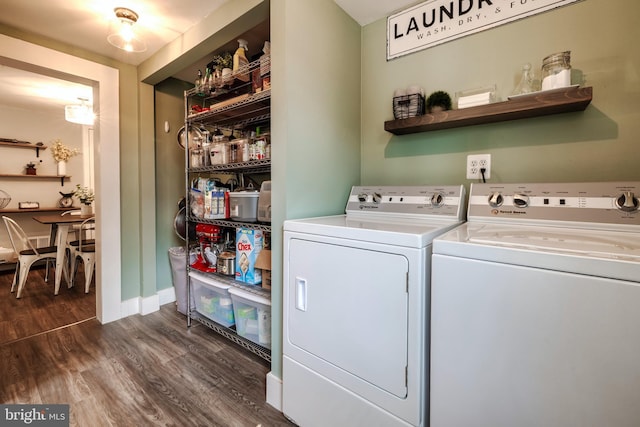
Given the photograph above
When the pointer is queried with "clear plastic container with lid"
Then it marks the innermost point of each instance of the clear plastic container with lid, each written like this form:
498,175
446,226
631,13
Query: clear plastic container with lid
556,70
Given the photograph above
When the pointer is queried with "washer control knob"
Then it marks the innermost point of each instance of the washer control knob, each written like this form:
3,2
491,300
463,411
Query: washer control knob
627,202
520,200
495,199
377,197
362,197
437,199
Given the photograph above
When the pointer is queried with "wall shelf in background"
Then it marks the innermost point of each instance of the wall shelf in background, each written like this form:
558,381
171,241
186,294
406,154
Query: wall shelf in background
40,177
23,144
521,107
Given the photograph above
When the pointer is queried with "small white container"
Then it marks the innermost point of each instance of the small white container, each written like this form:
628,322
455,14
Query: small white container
264,202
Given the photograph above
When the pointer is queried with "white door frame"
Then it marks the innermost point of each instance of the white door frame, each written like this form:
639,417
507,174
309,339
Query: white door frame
107,166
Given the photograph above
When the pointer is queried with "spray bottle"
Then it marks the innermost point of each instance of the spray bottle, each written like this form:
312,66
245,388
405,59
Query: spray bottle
240,61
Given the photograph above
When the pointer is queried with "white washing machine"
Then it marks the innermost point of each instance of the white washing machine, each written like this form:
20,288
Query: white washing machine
356,307
535,317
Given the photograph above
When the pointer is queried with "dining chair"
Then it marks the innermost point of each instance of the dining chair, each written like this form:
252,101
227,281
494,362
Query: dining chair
27,253
85,249
74,227
75,230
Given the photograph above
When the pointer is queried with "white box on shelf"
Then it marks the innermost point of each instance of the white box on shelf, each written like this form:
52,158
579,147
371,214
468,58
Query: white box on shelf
475,97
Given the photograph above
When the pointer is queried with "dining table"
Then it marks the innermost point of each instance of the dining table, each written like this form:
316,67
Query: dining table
60,225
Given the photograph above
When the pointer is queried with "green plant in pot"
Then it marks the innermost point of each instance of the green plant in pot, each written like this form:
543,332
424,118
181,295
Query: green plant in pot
224,62
438,101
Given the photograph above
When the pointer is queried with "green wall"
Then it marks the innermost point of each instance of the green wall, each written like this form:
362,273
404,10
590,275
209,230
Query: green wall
315,123
169,165
598,144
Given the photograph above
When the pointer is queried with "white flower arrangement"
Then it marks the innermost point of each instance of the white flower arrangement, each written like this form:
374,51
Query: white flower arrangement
61,152
85,194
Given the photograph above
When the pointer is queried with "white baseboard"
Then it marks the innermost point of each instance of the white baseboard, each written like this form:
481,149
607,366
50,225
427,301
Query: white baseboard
167,295
147,305
274,391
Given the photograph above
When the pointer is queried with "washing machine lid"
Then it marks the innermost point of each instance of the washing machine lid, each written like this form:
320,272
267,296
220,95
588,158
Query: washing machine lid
408,216
596,252
396,232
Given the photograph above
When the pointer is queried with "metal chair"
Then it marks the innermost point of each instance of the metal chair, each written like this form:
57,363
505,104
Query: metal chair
27,254
75,231
84,248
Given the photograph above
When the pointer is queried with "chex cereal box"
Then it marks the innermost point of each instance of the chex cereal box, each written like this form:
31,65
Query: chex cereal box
249,243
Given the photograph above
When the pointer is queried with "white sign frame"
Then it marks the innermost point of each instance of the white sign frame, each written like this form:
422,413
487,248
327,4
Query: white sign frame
434,22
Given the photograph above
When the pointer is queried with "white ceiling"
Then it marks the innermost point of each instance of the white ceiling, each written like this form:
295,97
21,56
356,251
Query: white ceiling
25,89
86,24
367,11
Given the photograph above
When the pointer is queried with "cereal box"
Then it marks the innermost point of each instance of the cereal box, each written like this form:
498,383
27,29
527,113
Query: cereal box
249,243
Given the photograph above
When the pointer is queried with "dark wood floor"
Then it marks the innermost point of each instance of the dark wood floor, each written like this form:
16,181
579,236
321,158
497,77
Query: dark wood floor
39,310
139,371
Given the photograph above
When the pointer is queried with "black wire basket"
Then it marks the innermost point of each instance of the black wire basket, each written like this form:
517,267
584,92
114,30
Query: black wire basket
406,106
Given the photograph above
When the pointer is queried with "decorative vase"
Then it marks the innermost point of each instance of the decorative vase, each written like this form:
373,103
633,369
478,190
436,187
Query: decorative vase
62,168
227,76
85,210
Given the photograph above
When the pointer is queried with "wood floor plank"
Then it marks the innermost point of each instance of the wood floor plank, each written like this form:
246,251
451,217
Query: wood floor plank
39,310
139,371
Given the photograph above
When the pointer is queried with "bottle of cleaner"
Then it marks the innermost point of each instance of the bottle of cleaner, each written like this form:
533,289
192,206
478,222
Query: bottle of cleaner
240,61
265,59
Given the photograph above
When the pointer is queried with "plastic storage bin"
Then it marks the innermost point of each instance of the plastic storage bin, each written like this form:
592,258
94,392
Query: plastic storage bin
212,299
244,205
253,316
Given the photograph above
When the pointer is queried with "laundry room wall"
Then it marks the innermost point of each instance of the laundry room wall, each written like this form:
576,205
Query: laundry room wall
598,144
169,165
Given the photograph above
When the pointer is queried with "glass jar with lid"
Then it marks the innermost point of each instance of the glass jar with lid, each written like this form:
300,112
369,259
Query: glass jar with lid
556,70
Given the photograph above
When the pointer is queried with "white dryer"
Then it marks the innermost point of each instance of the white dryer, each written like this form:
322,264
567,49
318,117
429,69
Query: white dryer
535,317
356,307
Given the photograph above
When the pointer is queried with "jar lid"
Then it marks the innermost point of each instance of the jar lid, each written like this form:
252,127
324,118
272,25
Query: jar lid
558,56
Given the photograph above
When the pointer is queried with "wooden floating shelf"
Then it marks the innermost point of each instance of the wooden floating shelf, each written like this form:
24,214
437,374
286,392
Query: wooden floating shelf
41,177
23,144
521,107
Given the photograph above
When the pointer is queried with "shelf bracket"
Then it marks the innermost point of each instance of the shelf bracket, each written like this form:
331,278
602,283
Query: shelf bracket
62,181
37,151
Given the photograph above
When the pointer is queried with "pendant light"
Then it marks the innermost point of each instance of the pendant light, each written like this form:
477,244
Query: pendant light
79,113
125,37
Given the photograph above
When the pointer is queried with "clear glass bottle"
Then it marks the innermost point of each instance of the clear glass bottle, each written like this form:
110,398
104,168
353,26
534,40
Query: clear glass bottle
198,82
526,84
556,70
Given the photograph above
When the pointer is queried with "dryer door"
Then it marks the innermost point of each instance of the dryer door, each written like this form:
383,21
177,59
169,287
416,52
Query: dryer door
348,313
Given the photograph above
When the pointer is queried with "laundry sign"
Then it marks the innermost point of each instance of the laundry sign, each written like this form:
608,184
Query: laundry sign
438,21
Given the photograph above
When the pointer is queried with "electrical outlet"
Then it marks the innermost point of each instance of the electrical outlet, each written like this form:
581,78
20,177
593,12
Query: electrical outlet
475,162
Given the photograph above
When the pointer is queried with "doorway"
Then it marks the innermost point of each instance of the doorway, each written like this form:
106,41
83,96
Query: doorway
107,160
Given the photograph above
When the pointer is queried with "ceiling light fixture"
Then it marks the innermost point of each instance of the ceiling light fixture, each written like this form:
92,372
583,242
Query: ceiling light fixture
125,38
79,113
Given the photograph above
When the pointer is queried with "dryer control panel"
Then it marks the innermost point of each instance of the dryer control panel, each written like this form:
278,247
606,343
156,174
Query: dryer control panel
409,201
614,203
